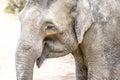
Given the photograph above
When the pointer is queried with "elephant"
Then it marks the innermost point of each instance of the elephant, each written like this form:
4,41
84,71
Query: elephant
88,29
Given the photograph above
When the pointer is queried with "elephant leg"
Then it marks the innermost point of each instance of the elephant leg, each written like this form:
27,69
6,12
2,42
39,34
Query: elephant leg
81,69
101,49
81,72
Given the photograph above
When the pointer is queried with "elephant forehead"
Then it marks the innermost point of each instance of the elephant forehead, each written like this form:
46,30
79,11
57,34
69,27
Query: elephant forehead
48,3
60,9
43,3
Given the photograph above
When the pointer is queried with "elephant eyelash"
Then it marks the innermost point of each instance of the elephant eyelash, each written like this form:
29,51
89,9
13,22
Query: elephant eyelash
48,22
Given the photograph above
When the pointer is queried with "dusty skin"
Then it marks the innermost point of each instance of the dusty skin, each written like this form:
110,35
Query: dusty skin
89,29
9,32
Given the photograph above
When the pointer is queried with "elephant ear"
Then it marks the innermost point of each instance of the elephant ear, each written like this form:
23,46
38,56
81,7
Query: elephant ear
83,20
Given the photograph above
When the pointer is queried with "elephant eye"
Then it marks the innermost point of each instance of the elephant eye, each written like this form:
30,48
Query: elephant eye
49,26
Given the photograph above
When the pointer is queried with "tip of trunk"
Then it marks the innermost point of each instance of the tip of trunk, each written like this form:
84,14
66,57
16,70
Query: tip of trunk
39,62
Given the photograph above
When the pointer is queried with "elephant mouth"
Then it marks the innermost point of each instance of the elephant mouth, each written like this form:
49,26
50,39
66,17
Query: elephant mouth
57,50
57,54
53,48
49,52
43,56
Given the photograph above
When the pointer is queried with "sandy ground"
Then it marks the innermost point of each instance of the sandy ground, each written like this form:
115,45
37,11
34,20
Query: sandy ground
52,69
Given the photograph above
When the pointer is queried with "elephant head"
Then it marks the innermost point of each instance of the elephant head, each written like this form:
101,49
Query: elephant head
48,29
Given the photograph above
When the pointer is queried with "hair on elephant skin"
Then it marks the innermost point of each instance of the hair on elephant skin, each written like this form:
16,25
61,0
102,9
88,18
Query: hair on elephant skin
89,29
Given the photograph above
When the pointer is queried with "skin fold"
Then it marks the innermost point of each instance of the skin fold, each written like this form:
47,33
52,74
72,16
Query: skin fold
89,29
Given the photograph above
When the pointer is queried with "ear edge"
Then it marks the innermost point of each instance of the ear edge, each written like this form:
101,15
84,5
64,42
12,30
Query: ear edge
81,30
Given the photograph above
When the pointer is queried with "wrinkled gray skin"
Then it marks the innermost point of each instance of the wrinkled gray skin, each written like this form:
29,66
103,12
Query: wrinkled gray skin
89,29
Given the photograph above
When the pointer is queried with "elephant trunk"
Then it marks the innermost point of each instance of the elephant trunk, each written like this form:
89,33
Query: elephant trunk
26,56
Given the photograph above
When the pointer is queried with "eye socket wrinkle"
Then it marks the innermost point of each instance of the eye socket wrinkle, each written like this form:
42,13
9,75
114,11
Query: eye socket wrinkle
48,39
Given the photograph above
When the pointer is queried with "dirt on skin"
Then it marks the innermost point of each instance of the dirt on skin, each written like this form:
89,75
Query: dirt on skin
53,69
